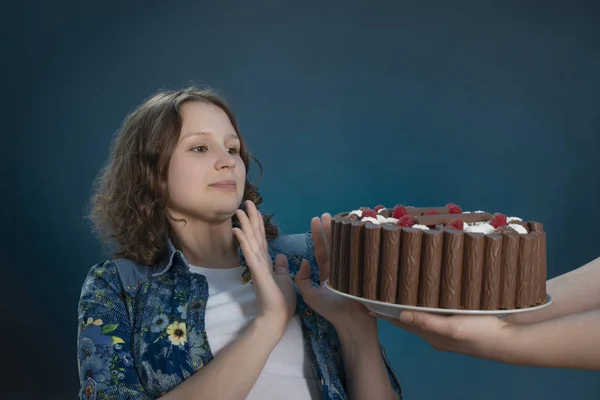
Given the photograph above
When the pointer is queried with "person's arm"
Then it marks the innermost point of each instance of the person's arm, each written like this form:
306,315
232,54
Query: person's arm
564,342
107,365
567,342
365,370
573,292
368,373
233,373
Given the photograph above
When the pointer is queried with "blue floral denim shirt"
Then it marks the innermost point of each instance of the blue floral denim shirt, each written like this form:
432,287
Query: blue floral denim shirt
141,329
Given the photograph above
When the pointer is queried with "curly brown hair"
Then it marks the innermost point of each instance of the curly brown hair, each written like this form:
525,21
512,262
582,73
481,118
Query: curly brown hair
129,204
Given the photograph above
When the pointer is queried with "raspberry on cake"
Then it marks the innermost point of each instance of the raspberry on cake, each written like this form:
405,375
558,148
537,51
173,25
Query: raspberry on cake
439,257
453,209
368,213
455,224
406,221
398,212
498,220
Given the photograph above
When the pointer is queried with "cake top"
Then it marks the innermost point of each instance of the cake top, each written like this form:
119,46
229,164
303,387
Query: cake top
451,216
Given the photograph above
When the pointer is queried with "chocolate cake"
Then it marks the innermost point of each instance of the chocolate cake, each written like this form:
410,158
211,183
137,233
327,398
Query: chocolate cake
439,257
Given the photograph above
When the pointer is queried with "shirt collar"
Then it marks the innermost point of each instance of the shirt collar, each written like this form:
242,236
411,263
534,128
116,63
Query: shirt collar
175,256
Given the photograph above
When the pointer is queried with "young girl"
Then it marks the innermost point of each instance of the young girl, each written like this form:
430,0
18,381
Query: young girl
199,301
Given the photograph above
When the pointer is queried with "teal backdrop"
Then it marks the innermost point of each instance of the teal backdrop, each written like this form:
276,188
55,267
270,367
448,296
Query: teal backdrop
490,105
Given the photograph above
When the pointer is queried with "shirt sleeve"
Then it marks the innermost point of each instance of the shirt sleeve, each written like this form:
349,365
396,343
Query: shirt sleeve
106,363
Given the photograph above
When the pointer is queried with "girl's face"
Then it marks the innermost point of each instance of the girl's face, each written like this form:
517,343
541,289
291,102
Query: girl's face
206,173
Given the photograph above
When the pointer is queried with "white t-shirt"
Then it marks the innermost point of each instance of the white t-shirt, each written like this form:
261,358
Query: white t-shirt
230,307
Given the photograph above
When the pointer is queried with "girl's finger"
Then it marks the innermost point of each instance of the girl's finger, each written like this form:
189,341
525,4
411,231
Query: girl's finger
259,226
251,257
281,265
254,216
326,222
309,292
243,240
248,231
321,251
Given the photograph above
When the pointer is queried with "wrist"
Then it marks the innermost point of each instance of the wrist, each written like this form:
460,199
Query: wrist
504,346
358,330
271,326
519,343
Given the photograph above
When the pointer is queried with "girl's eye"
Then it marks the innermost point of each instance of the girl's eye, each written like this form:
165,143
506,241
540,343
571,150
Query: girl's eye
233,150
200,149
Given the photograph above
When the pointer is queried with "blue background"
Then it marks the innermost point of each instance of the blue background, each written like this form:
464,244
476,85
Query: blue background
490,105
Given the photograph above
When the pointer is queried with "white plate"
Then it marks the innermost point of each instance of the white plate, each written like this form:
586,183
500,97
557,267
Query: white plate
394,310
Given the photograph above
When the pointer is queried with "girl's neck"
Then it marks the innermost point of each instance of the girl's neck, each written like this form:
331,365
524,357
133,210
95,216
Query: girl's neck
207,245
